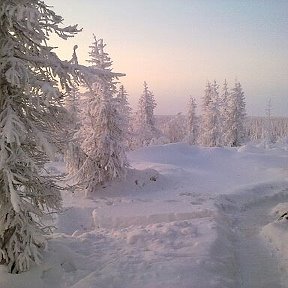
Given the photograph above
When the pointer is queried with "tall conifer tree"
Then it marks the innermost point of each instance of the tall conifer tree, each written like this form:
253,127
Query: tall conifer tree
210,122
30,113
103,131
236,108
225,114
192,122
145,129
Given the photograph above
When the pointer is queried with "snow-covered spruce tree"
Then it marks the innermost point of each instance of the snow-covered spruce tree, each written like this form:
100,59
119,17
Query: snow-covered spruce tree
144,128
192,122
210,126
74,156
236,108
204,116
224,114
30,116
268,136
99,59
125,112
102,130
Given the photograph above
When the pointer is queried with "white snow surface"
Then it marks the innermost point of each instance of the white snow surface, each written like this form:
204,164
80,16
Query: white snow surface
185,216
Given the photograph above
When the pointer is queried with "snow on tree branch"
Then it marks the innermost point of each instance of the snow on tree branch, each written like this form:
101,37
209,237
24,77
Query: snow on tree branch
33,86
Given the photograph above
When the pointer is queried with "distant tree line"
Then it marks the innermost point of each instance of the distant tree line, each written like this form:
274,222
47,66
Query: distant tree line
220,124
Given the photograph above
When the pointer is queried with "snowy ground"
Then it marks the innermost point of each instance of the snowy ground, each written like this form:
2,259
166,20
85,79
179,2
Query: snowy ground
185,217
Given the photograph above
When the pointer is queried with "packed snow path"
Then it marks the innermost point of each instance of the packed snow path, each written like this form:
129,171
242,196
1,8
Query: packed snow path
256,262
258,266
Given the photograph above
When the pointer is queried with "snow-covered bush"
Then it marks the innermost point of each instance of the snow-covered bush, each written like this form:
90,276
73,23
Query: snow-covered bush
159,141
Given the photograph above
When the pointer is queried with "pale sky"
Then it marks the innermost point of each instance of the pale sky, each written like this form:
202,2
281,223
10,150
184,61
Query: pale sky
177,45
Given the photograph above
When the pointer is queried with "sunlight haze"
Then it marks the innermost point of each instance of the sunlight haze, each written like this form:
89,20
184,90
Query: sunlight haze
176,46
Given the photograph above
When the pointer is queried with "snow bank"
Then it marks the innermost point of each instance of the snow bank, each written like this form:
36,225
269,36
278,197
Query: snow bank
139,213
136,183
214,170
276,234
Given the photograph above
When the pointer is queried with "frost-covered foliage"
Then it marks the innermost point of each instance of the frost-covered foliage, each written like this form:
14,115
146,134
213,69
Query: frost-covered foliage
162,140
223,117
98,57
210,121
125,112
103,129
192,122
222,123
74,156
255,128
144,128
30,113
268,135
235,134
224,114
175,129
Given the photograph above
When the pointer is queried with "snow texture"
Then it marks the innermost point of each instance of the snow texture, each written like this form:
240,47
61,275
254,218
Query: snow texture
184,217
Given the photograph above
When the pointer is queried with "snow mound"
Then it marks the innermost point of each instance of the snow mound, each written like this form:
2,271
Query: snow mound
139,213
277,236
135,181
251,148
276,233
279,210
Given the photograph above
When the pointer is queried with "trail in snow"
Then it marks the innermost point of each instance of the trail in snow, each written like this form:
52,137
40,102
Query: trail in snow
256,262
258,266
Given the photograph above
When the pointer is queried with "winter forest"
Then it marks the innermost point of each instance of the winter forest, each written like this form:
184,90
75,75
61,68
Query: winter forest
96,194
